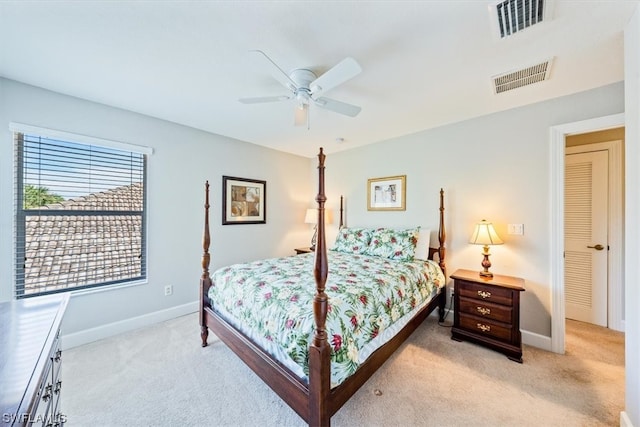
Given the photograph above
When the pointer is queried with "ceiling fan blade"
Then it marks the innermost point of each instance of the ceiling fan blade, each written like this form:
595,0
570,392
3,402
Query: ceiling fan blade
338,106
340,73
301,116
261,99
278,73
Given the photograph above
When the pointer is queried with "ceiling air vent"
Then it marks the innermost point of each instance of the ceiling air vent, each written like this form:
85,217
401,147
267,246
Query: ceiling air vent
524,77
516,15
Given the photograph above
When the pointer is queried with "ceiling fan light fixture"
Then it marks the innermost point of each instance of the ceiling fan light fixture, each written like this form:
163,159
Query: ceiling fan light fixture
301,115
303,97
306,86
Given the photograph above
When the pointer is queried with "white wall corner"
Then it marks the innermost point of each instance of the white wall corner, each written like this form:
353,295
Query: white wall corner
632,205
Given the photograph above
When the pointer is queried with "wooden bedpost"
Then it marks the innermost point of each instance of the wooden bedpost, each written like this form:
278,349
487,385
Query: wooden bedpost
319,350
442,235
205,280
341,213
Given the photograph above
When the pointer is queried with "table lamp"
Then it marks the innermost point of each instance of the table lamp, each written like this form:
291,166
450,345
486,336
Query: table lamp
311,217
484,234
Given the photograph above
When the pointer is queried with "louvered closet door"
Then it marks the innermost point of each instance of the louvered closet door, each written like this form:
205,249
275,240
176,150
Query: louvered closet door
585,228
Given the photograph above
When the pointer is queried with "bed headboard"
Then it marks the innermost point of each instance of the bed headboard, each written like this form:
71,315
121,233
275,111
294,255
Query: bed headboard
440,250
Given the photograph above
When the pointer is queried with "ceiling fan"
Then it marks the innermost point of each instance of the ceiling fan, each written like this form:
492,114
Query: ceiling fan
306,88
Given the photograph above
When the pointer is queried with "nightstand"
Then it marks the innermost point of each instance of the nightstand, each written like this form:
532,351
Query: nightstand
303,250
487,311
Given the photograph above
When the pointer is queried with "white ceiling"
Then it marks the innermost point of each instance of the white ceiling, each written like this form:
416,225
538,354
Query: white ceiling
425,63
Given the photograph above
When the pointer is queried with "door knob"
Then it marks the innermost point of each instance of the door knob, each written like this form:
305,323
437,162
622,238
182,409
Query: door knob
597,247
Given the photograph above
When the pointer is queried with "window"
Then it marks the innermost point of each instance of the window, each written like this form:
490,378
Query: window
80,215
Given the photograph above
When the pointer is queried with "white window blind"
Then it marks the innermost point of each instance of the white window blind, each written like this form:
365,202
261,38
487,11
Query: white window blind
80,215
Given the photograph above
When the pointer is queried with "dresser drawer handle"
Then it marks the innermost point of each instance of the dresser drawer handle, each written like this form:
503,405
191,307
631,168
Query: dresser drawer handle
58,356
58,387
484,294
483,328
483,310
47,393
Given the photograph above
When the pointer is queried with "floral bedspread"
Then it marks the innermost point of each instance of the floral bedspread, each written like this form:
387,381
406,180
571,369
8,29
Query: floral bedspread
367,294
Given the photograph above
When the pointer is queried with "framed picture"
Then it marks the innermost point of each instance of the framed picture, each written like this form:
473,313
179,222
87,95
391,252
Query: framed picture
387,194
244,201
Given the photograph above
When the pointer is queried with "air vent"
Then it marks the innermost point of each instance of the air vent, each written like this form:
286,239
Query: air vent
524,77
516,15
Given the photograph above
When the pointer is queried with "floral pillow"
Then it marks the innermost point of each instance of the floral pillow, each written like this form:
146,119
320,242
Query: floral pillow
353,240
394,244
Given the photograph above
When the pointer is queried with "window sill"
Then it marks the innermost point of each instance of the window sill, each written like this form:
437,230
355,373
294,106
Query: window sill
107,288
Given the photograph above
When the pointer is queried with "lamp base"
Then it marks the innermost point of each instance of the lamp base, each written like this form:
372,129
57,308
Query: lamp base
486,264
314,239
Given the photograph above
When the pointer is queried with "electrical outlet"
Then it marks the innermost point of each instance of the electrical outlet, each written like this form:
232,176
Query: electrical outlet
451,293
168,290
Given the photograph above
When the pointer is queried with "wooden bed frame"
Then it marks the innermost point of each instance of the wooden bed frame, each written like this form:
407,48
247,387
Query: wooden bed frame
316,401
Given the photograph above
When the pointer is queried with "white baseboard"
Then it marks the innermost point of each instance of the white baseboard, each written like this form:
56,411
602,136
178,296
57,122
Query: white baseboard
536,340
94,334
624,420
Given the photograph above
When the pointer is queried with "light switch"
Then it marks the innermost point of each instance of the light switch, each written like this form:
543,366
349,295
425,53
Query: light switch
517,229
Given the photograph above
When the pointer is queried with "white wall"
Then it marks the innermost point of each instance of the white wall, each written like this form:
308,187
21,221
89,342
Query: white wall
495,167
183,159
631,417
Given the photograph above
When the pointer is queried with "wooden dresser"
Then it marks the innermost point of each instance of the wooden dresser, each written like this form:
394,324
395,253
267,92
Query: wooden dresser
487,311
30,359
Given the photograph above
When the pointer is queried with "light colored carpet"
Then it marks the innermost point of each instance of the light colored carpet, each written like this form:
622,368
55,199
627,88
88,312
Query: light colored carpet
160,376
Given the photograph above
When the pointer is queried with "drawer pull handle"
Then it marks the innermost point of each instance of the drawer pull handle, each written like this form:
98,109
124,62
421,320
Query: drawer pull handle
58,387
58,356
483,328
483,310
47,393
484,294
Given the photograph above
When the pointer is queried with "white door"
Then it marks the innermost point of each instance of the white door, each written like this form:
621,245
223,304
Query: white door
586,246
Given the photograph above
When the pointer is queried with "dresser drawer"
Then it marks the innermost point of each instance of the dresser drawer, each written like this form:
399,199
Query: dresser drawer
486,310
485,327
483,292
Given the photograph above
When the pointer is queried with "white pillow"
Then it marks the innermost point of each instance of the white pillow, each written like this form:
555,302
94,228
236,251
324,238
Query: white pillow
422,247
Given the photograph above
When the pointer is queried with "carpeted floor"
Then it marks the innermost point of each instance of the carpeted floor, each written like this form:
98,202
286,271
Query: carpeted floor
160,376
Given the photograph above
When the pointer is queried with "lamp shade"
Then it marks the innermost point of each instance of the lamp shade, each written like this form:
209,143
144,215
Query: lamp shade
311,216
485,234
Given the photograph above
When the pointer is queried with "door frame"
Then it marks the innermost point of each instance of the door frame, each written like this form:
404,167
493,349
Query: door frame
556,238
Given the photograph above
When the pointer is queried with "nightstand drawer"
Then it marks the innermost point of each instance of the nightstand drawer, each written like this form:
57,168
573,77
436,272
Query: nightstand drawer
485,293
485,327
486,310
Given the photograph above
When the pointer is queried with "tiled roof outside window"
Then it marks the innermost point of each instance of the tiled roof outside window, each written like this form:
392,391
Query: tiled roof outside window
80,250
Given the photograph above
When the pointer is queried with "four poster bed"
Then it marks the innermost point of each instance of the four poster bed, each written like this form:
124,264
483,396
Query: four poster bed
315,346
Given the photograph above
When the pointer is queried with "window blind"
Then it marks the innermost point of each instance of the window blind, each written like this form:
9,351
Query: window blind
80,215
